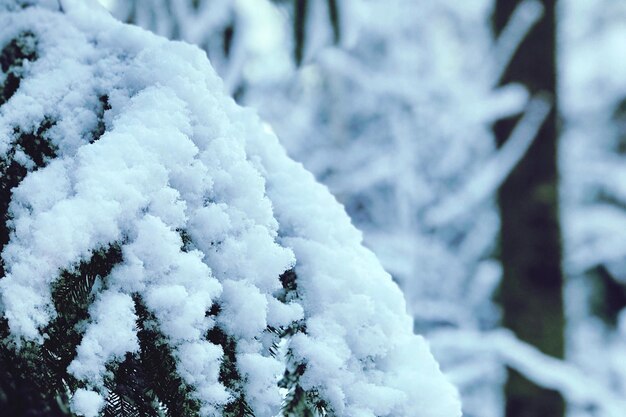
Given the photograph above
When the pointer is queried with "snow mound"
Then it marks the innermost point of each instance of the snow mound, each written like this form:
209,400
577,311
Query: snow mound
114,139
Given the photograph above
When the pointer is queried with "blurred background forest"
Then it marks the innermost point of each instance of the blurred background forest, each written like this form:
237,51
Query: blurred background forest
480,146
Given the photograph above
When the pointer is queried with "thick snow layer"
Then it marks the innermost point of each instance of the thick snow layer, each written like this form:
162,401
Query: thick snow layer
208,209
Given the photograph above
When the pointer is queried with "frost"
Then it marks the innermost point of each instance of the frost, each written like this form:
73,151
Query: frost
228,249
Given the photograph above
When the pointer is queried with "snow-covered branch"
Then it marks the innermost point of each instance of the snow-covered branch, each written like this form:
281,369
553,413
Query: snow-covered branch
152,217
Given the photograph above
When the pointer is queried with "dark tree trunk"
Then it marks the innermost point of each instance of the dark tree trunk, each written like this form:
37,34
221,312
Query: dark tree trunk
531,290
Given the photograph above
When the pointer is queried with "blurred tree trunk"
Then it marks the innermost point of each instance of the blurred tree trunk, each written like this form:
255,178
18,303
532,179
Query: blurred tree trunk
531,290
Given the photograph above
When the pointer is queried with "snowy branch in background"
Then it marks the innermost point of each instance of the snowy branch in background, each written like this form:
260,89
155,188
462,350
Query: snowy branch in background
524,17
576,386
486,182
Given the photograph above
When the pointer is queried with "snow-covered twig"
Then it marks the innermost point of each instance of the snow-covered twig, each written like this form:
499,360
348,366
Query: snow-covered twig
490,178
549,372
524,17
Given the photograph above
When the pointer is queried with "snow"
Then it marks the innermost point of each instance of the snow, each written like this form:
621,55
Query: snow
87,403
486,182
577,387
109,337
178,156
592,169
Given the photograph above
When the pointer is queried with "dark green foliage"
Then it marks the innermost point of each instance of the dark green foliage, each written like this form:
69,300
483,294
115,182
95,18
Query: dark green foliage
146,384
40,151
20,394
127,397
229,374
154,374
298,401
117,406
100,127
186,239
34,380
289,291
23,391
12,58
34,144
72,295
298,404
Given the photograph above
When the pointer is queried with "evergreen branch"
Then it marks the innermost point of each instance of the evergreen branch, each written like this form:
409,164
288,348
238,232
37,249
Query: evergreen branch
157,367
229,374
